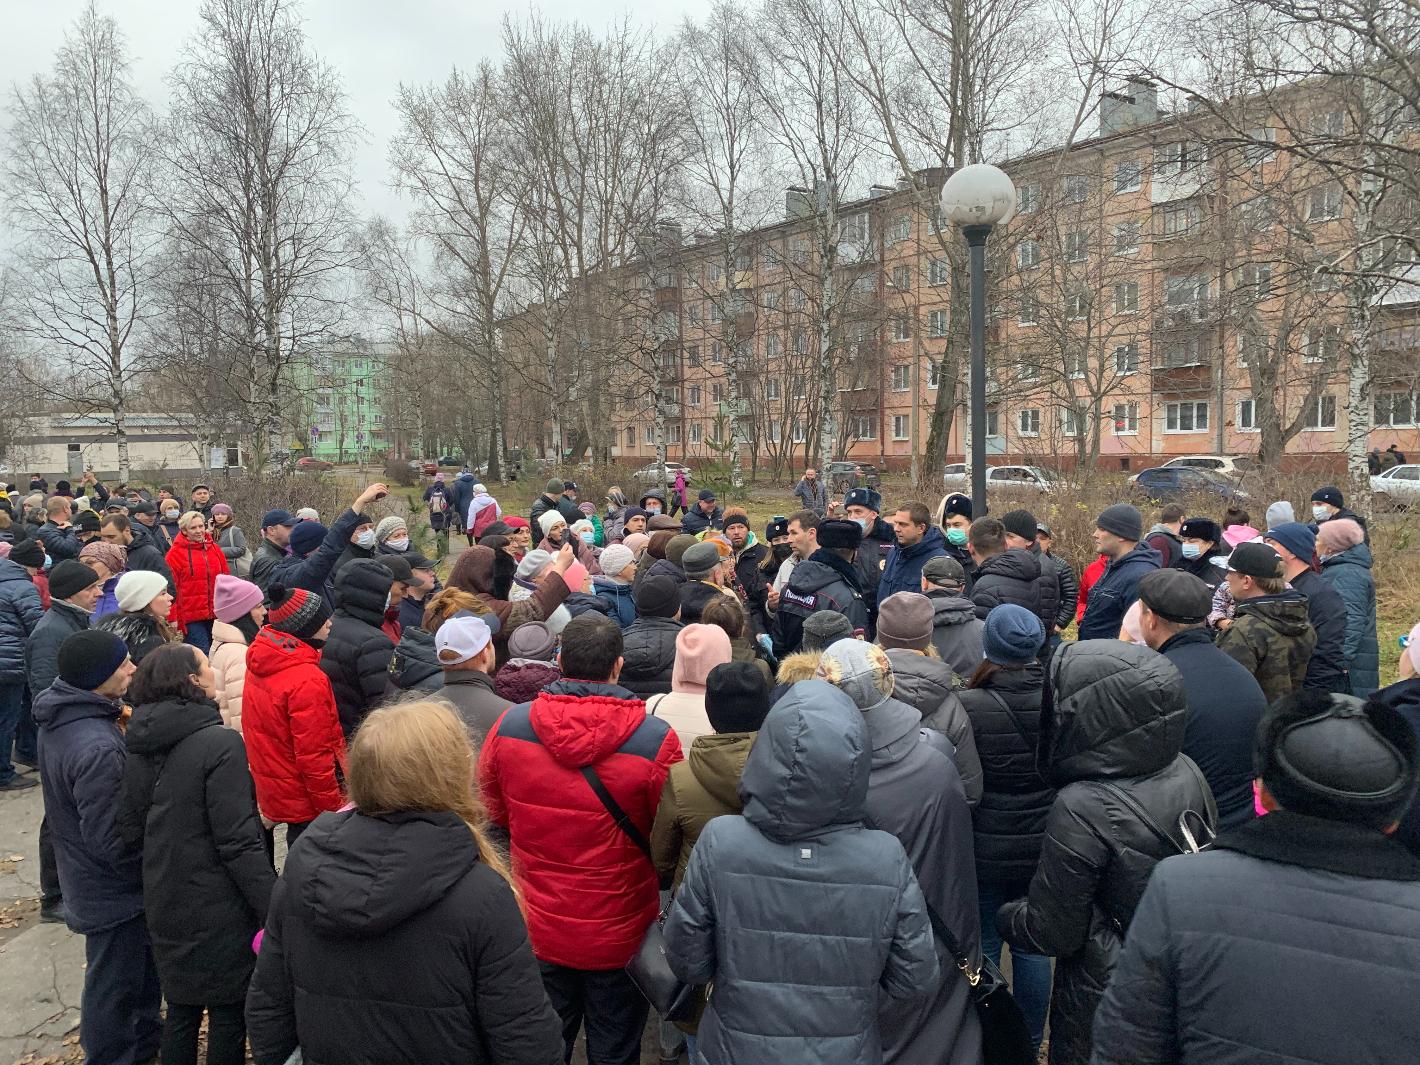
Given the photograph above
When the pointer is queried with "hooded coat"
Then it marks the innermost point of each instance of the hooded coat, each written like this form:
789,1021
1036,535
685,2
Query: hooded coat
702,787
1166,542
196,567
57,624
461,495
313,572
648,655
823,581
804,919
902,572
519,680
292,729
414,664
1010,577
431,965
1114,593
1349,573
475,570
139,630
618,597
1272,637
590,893
357,653
188,804
20,615
956,632
1118,720
81,760
927,684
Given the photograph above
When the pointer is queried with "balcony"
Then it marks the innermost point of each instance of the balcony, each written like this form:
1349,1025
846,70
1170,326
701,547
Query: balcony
1182,369
1190,315
667,297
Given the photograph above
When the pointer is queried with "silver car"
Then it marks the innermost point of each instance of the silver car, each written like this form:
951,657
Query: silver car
1398,486
957,478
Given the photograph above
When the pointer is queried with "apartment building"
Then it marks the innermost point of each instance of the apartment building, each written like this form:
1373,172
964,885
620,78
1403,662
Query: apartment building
1163,289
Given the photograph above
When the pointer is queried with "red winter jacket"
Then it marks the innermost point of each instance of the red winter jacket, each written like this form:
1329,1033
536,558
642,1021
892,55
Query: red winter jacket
195,567
590,892
291,728
1093,572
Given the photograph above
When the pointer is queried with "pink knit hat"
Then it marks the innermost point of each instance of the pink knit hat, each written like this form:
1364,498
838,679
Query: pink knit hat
232,597
1338,534
1240,534
698,650
636,542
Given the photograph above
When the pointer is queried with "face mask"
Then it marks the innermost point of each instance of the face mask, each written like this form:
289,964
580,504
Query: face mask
1320,513
47,563
589,538
653,510
862,523
1192,551
397,543
170,515
956,537
782,551
366,538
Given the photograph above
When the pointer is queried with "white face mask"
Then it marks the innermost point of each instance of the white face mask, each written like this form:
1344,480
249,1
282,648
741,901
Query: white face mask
170,515
366,538
398,543
1321,513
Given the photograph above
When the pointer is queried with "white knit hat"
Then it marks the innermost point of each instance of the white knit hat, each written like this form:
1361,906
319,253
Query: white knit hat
387,526
533,563
616,558
137,588
548,519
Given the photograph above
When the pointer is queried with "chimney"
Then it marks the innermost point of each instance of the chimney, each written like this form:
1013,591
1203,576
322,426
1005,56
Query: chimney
798,203
668,229
1136,105
876,191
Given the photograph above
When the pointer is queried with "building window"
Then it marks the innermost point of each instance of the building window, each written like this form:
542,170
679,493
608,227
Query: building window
630,437
798,431
801,341
1077,188
936,324
1179,157
1246,420
1126,358
1261,146
902,278
1181,219
717,393
693,396
901,423
1329,124
901,378
800,252
1027,198
650,436
692,355
1077,246
1185,417
1185,290
797,300
1126,419
993,423
1185,351
1396,409
692,313
1252,348
1255,280
714,272
1324,202
774,432
1075,363
1028,254
796,386
864,284
1321,413
697,433
1126,238
934,371
865,426
1027,370
717,353
901,330
1126,297
1028,422
771,388
1077,304
900,229
771,301
1127,176
773,347
1071,423
673,433
770,259
1323,344
937,272
716,315
1029,312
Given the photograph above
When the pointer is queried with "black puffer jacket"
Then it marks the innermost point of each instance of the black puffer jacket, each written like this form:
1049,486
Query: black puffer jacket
926,683
188,802
139,630
1069,590
648,655
143,554
431,963
1010,577
1009,821
357,653
414,666
1051,590
1117,722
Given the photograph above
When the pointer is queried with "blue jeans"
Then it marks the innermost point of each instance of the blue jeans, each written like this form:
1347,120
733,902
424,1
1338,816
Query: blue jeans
1030,973
12,705
199,635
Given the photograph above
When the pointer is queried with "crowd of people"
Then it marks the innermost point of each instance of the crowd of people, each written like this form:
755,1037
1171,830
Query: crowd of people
837,767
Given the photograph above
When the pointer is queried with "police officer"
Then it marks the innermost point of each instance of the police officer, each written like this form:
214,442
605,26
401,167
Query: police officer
826,580
955,520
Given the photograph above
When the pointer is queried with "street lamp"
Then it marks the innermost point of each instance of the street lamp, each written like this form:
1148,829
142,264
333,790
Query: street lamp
976,198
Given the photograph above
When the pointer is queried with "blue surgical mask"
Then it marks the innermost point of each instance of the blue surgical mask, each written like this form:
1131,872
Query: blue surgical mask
956,537
589,537
1321,513
1192,551
863,523
366,538
653,509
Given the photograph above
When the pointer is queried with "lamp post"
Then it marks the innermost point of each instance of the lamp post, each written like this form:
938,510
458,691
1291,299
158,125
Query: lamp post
976,198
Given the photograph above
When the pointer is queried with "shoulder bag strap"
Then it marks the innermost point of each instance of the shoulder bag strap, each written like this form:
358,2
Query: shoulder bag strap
652,703
1015,721
1143,815
620,816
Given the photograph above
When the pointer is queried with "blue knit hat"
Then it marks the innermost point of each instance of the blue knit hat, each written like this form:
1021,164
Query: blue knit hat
306,537
1012,635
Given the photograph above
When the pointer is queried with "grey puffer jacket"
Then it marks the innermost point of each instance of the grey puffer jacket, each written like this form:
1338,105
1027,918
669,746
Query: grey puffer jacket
805,920
956,632
20,614
926,684
1117,722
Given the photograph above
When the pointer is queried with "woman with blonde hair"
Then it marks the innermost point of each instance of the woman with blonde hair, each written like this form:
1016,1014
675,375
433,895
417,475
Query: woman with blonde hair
196,561
433,964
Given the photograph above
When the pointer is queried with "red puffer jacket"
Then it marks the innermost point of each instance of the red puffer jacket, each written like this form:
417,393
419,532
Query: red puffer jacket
195,567
590,892
291,728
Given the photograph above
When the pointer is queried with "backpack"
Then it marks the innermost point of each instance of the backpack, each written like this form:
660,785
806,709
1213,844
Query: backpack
438,502
1199,830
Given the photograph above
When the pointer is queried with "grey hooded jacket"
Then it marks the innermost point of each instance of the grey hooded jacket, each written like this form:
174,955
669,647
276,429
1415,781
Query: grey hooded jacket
925,684
956,632
804,919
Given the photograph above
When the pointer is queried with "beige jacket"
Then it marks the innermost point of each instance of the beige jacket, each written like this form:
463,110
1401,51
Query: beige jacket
229,662
684,712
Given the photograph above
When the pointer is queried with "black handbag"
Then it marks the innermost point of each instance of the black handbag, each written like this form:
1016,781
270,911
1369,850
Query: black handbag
649,969
1005,1039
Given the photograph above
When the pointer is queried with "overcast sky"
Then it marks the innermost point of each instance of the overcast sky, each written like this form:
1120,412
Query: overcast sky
374,44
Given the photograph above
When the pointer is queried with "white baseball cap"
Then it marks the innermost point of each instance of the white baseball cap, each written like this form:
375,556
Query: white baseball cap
461,638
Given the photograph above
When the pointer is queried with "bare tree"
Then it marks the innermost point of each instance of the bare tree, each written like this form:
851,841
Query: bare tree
77,183
258,151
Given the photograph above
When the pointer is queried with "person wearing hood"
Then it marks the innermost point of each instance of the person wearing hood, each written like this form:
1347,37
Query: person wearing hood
189,807
613,520
916,793
865,506
1002,700
144,606
1296,544
289,719
1200,542
698,650
649,644
1328,504
1110,743
825,580
489,575
1271,635
169,525
240,615
917,540
1003,574
1222,961
1118,533
360,545
1346,566
357,652
531,665
956,630
433,964
926,683
589,889
21,615
614,586
109,561
805,920
82,757
1166,536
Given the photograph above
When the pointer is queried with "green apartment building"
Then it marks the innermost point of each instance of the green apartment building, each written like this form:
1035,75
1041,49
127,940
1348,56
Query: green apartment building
343,419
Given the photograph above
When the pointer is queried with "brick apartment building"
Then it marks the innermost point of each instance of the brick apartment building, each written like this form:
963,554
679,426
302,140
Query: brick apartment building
1160,285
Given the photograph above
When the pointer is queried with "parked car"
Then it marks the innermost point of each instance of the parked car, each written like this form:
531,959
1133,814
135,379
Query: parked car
1397,487
1168,483
843,476
650,476
313,465
957,478
449,460
1231,467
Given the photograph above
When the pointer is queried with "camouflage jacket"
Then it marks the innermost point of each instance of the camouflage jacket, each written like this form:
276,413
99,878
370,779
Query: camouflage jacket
1273,637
